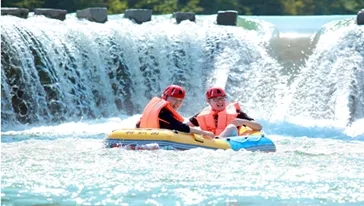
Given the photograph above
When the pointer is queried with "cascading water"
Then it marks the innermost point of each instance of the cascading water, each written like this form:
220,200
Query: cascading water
62,71
331,86
65,85
55,71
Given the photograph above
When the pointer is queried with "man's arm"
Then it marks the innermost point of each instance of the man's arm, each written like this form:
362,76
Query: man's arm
250,123
179,126
193,121
244,119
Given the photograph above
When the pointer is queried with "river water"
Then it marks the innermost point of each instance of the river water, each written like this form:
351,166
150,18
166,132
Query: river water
66,85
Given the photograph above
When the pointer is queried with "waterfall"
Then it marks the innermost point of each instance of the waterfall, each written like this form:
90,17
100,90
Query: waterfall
331,86
55,71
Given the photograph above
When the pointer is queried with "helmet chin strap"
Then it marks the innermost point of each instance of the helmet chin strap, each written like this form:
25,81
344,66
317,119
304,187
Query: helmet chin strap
164,97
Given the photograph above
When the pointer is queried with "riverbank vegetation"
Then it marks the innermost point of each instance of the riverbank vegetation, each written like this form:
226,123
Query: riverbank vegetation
244,7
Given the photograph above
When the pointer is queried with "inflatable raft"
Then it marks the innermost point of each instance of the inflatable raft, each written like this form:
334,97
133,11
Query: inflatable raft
163,138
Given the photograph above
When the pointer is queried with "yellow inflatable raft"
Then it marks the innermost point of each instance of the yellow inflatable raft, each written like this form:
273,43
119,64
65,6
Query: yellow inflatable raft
163,138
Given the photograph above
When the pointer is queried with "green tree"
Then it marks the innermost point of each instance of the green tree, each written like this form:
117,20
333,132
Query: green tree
158,7
191,6
261,7
116,6
247,7
29,4
346,6
290,6
82,4
69,5
209,7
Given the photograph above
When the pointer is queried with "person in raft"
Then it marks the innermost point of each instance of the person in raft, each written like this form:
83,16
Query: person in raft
161,113
221,118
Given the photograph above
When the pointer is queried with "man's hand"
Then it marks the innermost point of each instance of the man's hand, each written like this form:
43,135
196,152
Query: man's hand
252,124
209,134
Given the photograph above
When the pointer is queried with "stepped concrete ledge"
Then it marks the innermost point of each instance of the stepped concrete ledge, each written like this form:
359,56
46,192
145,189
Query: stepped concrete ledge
13,11
181,16
95,14
139,15
360,17
228,17
51,13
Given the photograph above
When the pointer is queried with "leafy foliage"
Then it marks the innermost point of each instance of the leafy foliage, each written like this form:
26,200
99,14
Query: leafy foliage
244,7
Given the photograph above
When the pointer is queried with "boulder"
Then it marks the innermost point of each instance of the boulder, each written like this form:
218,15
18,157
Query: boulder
51,13
139,15
96,14
360,17
181,16
227,17
19,12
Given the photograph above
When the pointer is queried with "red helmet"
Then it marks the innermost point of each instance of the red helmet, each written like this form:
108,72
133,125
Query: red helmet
215,92
174,91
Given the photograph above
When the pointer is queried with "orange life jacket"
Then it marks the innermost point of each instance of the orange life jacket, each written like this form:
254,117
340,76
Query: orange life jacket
150,114
207,122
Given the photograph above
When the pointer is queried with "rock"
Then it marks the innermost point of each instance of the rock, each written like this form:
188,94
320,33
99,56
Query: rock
227,17
51,13
360,17
139,15
181,16
96,14
19,12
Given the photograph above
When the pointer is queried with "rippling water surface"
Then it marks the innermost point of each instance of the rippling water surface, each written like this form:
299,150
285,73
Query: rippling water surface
69,169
